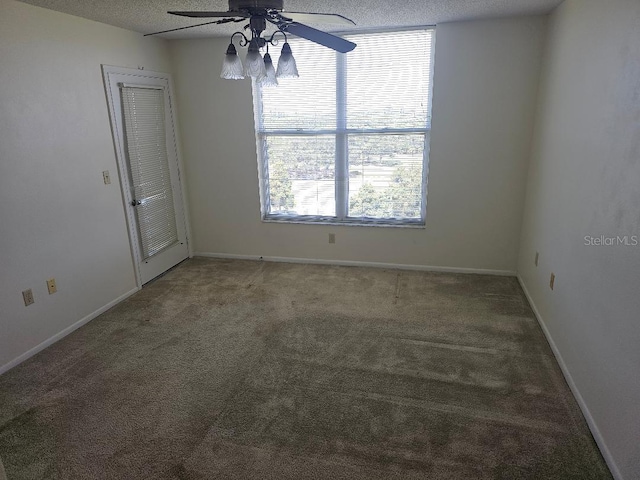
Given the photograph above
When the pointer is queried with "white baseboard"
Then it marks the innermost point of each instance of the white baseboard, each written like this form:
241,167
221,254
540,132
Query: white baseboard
350,263
65,332
606,454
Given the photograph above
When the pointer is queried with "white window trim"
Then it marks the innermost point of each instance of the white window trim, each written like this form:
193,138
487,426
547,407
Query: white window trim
341,134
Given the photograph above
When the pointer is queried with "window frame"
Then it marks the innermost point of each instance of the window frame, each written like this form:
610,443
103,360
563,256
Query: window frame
341,134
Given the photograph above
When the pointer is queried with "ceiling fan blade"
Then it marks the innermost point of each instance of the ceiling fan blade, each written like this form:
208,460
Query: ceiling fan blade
325,18
209,14
323,38
224,20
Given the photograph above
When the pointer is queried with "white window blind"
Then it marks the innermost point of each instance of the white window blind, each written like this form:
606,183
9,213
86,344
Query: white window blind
388,80
145,137
348,141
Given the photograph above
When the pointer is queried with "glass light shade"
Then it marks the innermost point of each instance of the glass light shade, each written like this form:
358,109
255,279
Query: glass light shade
287,64
254,65
232,65
270,77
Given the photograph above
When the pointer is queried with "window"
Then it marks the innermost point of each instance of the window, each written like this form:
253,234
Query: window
348,141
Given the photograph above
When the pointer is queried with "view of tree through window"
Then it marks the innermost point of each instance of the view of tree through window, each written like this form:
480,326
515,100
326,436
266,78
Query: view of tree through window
348,140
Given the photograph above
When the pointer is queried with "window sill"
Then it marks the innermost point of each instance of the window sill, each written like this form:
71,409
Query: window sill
347,223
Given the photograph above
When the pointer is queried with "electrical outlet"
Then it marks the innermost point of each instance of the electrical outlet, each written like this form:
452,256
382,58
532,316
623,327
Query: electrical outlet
536,260
51,286
106,177
552,281
27,295
332,238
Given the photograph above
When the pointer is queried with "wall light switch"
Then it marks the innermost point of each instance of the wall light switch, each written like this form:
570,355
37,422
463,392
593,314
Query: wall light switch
51,286
332,238
106,177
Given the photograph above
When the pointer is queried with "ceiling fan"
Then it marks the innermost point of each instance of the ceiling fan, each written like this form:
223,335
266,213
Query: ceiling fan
259,12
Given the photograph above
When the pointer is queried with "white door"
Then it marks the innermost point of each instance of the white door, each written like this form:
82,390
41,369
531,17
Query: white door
142,121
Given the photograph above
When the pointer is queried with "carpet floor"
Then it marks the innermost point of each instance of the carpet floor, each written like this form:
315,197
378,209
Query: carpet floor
227,369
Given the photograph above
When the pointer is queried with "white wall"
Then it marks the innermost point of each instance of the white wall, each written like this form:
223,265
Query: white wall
486,77
57,218
584,179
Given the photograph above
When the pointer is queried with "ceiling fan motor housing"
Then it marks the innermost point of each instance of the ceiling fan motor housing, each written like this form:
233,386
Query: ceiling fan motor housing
255,6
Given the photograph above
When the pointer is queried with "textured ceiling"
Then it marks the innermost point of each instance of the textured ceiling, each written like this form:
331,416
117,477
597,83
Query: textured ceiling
146,16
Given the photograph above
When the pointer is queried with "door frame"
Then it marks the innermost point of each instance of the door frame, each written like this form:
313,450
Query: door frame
113,76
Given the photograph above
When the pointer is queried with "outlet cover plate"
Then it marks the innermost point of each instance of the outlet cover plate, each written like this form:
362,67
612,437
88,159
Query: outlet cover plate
27,296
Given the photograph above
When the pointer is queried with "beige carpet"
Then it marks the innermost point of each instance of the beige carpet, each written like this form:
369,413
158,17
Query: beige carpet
250,370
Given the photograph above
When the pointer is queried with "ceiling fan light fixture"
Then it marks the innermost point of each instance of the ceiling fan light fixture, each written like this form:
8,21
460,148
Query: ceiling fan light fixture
254,64
269,79
232,65
260,12
287,64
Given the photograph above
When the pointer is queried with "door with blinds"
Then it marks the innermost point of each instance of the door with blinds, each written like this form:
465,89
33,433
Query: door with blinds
140,105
